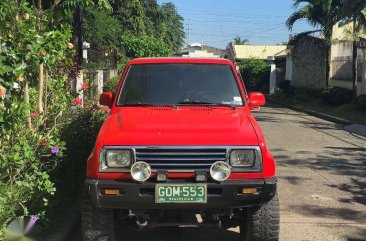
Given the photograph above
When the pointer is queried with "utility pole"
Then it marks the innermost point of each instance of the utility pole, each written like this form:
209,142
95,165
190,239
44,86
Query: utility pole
188,31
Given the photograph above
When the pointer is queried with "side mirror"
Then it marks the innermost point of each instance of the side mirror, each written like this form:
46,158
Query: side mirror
256,100
106,99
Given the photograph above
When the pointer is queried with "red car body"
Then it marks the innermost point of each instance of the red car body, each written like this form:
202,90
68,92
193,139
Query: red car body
185,134
188,126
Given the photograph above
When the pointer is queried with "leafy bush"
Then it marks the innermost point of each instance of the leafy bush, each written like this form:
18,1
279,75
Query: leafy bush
337,96
79,133
144,46
255,73
27,157
111,85
361,102
286,87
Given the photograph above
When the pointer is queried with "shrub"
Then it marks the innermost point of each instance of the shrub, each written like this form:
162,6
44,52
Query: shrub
255,73
144,46
26,158
79,133
111,85
286,87
361,102
337,96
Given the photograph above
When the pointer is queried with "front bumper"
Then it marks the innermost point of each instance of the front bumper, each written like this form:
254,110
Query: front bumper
141,196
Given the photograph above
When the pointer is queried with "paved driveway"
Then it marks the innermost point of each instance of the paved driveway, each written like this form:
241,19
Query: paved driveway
322,182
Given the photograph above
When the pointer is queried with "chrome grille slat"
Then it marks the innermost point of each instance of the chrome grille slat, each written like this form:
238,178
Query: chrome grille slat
180,154
177,164
180,158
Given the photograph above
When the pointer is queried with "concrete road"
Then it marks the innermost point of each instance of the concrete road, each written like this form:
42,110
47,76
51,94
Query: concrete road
322,182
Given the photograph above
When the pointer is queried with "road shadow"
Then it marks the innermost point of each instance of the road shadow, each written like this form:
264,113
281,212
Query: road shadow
327,212
177,234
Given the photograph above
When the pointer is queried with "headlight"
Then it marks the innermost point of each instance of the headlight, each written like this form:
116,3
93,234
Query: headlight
118,158
243,158
140,171
220,171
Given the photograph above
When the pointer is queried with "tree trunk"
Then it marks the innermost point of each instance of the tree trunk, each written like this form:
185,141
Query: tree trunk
40,89
46,92
38,17
41,66
354,63
328,62
26,100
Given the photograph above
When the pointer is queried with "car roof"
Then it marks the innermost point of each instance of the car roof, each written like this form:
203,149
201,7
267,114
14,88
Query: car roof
179,60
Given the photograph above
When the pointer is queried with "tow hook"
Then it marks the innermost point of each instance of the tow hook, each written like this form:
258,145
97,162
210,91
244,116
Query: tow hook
141,224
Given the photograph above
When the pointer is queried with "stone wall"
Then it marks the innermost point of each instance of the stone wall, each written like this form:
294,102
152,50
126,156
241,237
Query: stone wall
309,63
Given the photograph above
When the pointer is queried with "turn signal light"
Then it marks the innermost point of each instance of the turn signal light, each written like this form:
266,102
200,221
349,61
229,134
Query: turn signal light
249,191
111,191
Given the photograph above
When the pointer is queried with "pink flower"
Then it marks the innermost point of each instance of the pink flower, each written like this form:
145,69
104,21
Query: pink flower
2,91
84,86
77,101
34,114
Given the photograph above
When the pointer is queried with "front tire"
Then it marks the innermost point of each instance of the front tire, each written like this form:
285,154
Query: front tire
263,223
97,224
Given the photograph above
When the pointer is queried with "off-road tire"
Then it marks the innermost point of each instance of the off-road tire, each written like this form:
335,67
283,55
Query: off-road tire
97,224
263,223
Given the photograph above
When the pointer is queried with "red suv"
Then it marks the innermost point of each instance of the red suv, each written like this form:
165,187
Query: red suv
181,147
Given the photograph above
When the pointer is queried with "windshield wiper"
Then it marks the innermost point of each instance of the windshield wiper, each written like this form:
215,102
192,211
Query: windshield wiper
150,105
204,103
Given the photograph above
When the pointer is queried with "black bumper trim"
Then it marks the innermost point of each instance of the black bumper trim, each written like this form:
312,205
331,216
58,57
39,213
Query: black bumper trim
141,196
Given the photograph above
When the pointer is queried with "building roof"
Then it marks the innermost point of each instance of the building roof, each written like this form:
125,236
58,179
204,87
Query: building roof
282,53
257,51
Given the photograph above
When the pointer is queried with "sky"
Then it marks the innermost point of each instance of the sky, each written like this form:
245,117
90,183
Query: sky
217,22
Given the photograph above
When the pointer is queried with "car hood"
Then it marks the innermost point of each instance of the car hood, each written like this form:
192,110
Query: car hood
183,126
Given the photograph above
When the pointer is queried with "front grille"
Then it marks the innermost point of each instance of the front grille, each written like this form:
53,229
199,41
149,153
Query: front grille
180,158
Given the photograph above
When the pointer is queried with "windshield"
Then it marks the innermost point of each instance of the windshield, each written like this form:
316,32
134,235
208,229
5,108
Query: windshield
180,84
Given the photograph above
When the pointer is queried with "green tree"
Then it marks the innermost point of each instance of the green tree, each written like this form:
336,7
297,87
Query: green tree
173,28
321,14
131,15
101,29
238,41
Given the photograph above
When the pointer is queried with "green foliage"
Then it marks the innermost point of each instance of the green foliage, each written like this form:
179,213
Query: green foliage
323,14
172,27
239,41
144,46
130,13
337,96
26,160
361,102
133,18
101,28
111,85
255,73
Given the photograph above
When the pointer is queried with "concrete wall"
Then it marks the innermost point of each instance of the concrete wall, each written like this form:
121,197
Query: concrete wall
309,63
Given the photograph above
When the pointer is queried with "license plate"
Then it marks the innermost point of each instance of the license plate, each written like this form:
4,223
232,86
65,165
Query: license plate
181,193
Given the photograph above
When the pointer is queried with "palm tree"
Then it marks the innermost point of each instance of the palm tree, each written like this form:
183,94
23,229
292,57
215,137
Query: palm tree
239,41
355,11
322,15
